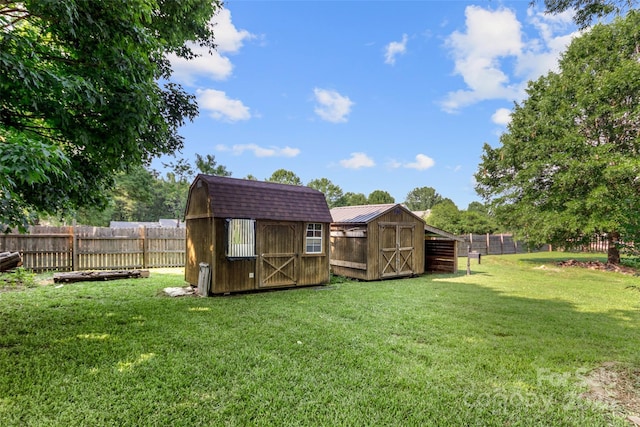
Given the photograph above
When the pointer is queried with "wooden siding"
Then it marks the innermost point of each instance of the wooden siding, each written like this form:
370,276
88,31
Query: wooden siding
199,248
198,204
441,256
229,275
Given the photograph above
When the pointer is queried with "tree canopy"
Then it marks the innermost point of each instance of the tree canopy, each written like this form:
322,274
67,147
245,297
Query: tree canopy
284,176
446,216
85,93
569,164
380,197
422,198
354,199
332,192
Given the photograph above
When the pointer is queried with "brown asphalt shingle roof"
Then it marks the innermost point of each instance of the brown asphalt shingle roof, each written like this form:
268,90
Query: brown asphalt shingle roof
242,198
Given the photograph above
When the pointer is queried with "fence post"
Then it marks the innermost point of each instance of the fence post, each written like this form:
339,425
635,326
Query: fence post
488,244
501,244
74,247
145,249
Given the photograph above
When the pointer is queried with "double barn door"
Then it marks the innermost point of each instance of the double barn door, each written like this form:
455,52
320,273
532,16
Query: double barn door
397,249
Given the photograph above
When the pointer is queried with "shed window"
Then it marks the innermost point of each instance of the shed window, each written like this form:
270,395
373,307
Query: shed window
314,239
241,238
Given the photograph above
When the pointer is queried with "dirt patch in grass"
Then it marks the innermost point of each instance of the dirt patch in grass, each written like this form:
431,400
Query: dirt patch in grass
599,265
616,386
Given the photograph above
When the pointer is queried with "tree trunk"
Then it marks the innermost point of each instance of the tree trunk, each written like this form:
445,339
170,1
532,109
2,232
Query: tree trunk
613,254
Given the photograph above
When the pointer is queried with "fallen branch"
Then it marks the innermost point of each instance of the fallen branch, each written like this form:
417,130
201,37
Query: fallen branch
89,276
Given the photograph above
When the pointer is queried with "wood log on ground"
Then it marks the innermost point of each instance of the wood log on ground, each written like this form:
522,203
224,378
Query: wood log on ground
10,260
88,276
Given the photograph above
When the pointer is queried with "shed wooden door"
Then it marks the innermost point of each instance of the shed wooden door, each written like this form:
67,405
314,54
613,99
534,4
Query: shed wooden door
397,249
277,256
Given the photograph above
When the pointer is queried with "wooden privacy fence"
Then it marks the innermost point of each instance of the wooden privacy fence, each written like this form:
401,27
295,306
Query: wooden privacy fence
97,248
495,244
502,244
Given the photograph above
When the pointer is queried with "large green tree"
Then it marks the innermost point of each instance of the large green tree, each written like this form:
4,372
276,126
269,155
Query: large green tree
568,166
283,176
445,216
85,90
422,198
377,197
332,192
354,199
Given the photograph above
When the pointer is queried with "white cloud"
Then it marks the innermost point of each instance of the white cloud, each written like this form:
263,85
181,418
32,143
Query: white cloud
494,59
394,49
489,36
501,117
258,151
423,162
332,106
220,107
357,161
212,65
227,37
542,54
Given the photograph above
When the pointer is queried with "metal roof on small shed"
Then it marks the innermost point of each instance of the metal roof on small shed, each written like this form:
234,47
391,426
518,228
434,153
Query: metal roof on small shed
361,214
243,198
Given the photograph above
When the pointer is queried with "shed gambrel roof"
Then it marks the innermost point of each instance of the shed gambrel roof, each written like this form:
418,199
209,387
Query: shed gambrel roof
364,213
243,198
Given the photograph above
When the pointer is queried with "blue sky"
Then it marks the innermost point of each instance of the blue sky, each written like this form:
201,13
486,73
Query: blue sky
373,95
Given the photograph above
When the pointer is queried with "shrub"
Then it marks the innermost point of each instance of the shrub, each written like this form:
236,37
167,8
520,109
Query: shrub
18,278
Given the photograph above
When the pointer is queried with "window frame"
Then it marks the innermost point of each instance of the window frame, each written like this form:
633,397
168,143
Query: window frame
314,238
247,234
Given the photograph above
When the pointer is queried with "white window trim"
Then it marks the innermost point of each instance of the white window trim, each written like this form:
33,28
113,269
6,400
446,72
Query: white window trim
314,238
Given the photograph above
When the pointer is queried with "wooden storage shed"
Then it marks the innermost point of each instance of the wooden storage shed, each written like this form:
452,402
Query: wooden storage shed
440,250
373,242
255,235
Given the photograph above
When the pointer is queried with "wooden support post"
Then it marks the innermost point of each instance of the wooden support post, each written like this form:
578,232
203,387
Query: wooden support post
74,247
145,248
468,260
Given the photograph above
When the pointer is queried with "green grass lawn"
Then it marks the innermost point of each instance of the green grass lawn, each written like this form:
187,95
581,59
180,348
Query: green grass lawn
510,345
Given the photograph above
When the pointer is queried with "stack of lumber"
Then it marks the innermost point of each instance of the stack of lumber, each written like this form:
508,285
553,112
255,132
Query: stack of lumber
10,260
87,276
